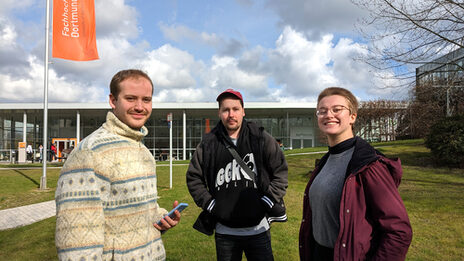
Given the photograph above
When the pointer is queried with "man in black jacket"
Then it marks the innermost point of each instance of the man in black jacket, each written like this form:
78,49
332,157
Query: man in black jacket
238,204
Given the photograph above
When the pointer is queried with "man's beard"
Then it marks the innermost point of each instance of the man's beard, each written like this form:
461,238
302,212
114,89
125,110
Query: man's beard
233,129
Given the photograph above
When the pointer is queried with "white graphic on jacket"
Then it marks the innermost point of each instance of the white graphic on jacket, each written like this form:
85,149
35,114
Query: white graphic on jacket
233,170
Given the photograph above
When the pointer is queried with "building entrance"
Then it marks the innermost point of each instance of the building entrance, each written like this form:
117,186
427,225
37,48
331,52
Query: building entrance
299,143
64,146
301,137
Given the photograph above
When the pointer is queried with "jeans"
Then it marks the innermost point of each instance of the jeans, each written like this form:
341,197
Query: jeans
256,247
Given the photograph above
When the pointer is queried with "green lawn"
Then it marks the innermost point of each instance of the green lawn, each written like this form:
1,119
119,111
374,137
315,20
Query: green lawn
433,198
21,186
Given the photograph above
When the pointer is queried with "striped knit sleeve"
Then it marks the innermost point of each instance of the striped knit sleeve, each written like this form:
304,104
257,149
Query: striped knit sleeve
79,231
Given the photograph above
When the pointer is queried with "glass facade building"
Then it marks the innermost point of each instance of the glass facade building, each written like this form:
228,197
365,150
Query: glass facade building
441,81
294,124
446,71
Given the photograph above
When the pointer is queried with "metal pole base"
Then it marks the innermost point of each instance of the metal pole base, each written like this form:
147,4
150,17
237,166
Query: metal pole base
43,183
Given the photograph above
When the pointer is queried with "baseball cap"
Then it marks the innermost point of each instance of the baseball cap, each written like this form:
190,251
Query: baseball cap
230,91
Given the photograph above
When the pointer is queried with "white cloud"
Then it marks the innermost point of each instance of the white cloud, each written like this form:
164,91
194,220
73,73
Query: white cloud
21,56
297,68
300,65
62,89
303,67
14,89
7,34
12,56
170,68
359,77
180,33
179,77
114,18
114,56
226,74
317,18
184,95
349,71
31,88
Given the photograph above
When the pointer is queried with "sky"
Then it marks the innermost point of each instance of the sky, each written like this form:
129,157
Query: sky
269,50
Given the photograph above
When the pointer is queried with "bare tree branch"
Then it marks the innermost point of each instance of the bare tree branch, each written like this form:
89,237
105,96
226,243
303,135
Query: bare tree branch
416,23
409,35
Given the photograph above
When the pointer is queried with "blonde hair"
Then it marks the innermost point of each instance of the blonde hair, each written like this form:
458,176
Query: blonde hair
352,101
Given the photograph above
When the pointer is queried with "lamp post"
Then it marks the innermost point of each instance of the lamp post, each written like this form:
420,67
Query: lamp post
169,118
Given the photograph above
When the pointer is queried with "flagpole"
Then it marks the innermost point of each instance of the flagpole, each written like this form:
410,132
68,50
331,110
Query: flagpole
43,179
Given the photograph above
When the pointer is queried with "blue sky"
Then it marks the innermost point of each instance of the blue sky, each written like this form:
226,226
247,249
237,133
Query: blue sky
270,50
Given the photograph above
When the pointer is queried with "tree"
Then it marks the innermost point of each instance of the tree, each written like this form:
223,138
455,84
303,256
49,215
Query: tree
379,120
404,34
425,108
446,141
407,33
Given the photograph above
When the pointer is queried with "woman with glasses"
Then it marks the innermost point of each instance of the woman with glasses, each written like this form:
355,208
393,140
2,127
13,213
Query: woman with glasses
352,209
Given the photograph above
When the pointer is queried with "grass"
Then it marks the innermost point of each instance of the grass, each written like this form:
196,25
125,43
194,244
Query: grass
22,181
21,187
433,198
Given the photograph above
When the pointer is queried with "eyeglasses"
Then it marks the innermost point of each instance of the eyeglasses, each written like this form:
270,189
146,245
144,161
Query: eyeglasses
335,110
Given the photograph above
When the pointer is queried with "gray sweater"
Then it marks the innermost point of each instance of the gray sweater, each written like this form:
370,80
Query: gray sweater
324,198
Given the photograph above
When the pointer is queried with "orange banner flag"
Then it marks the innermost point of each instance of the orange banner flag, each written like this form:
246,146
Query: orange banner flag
74,30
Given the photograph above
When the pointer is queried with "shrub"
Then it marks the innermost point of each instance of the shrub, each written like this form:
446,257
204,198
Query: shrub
446,141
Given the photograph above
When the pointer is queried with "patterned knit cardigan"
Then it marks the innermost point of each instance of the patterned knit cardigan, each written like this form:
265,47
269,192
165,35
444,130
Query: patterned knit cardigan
106,198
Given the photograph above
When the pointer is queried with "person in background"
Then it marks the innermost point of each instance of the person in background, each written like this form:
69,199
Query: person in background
281,145
237,204
29,153
352,209
52,152
106,197
40,153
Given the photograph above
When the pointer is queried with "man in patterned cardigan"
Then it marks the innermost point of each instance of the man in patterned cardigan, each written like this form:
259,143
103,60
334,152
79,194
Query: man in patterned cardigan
106,196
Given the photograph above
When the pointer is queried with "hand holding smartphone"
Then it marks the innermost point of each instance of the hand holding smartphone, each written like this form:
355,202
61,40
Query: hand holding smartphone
171,214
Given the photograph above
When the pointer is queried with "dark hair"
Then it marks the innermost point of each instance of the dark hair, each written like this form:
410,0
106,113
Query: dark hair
352,101
228,96
124,75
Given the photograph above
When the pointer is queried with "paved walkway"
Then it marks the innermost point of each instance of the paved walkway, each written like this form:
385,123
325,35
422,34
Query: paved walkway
26,215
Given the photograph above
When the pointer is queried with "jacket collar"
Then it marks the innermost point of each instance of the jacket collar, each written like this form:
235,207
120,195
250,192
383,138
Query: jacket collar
363,154
221,132
342,146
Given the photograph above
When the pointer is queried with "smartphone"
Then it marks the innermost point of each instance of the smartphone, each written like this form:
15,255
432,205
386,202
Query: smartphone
179,207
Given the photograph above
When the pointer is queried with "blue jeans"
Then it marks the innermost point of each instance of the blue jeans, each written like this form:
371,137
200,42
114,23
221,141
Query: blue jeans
256,247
